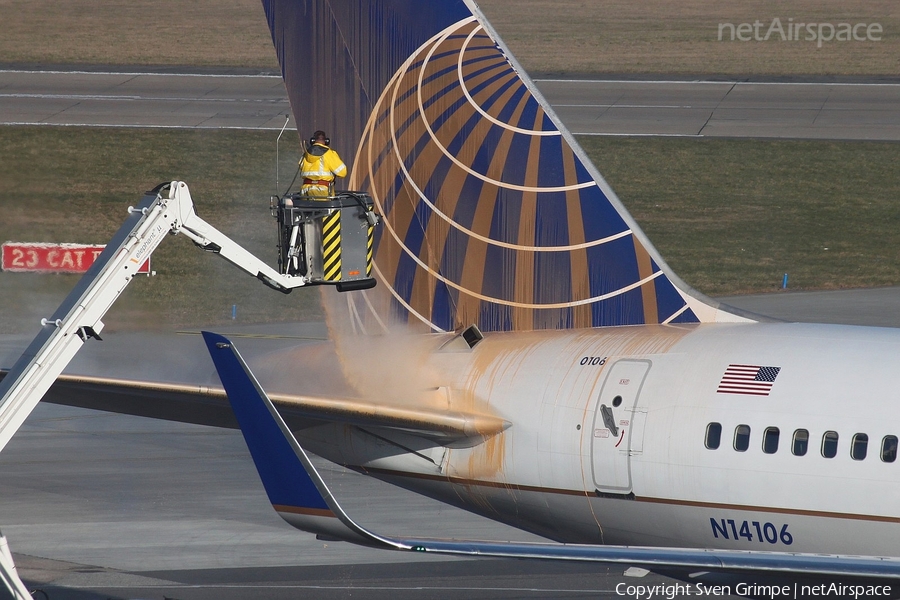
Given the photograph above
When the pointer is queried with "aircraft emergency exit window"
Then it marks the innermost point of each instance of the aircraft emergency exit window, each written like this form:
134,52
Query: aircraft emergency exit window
713,435
770,440
889,448
742,438
801,442
859,446
829,444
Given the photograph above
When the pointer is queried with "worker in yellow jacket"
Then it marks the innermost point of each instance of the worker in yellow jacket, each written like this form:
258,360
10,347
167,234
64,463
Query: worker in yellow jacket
319,166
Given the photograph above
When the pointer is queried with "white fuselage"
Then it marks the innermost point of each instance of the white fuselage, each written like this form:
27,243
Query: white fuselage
642,473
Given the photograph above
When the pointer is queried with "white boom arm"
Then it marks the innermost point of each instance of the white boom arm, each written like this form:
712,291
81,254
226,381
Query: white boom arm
209,238
9,575
79,316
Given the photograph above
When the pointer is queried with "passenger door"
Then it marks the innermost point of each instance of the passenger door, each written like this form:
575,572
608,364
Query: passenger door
618,430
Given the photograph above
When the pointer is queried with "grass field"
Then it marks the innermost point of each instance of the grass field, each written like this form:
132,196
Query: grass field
547,36
114,32
75,185
730,216
733,216
682,37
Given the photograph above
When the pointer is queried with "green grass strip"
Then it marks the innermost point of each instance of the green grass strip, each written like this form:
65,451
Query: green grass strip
732,216
75,184
729,216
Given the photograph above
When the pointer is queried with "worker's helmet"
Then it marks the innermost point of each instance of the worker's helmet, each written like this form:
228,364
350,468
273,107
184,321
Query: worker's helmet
319,136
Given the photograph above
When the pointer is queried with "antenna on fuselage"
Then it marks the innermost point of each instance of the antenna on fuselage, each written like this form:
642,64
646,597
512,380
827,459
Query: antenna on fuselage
287,119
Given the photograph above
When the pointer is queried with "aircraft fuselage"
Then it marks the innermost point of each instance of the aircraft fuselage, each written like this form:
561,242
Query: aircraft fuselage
768,436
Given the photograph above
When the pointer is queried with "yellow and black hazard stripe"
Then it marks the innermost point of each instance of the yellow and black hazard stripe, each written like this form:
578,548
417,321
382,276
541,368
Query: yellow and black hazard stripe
331,242
370,243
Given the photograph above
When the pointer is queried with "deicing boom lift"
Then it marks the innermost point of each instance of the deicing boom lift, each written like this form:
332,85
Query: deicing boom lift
168,209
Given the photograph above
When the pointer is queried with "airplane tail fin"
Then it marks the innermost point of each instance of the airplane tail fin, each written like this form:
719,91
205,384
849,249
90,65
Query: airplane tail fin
493,215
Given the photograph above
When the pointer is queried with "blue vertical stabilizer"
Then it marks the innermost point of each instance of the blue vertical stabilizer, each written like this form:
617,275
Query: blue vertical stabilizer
493,215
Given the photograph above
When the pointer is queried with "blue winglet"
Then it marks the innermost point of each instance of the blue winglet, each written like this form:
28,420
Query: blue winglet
286,481
295,488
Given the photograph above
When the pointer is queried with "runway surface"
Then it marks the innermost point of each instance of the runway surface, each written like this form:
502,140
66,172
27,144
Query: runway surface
835,111
839,111
142,100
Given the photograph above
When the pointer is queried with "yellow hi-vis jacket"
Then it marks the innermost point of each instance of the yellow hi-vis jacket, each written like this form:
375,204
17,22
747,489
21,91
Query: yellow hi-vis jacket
318,168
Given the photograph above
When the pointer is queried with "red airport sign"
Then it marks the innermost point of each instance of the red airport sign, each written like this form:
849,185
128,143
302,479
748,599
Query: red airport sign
52,258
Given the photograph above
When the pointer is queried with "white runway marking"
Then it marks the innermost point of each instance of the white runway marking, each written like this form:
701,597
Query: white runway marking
724,82
127,74
150,98
382,588
119,126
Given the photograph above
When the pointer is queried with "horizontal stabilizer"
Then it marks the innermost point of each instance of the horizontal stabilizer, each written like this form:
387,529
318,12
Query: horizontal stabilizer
207,405
303,499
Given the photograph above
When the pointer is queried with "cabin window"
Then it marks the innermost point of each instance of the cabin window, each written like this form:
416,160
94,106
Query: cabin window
800,443
770,440
829,444
713,435
859,446
742,438
889,448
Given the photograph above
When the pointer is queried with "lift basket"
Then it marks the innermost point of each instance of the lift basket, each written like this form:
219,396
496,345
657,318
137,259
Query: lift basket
329,240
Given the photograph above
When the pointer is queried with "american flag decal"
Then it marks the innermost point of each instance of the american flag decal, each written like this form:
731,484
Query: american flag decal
752,380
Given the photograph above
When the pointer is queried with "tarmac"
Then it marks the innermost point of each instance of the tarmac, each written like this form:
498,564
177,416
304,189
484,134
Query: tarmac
769,110
784,110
